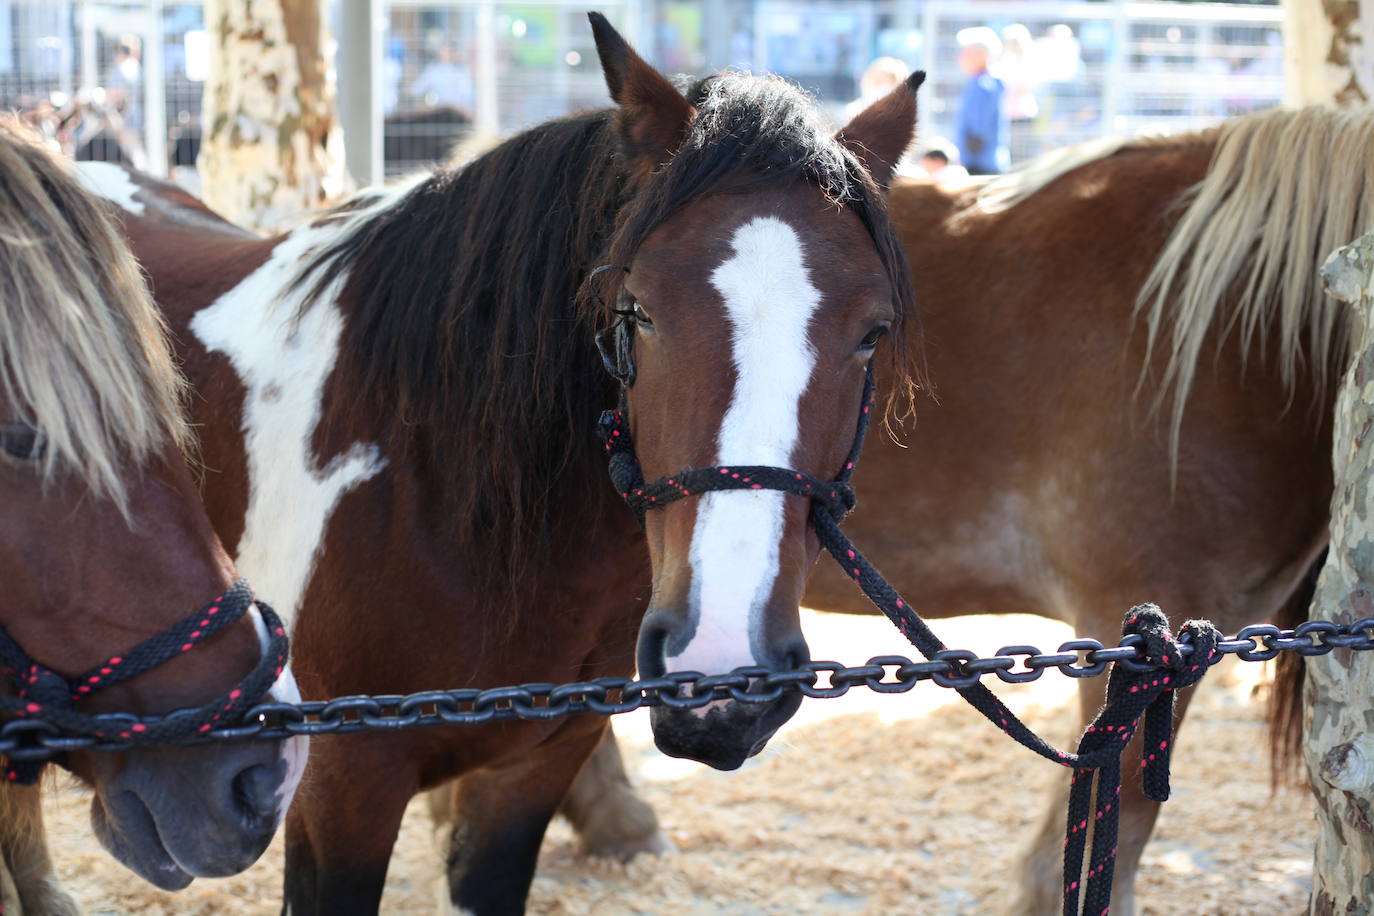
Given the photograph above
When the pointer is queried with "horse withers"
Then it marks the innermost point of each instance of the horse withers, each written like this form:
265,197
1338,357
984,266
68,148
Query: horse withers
104,543
401,399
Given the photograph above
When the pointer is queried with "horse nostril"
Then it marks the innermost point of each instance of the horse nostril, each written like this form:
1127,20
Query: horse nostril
653,636
255,792
797,653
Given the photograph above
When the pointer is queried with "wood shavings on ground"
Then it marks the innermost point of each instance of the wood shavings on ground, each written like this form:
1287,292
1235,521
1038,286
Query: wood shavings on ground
868,804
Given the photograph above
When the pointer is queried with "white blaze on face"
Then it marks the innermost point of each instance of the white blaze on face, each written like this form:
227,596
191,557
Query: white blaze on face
283,357
769,301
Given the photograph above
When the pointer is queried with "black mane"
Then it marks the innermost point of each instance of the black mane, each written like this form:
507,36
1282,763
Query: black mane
463,321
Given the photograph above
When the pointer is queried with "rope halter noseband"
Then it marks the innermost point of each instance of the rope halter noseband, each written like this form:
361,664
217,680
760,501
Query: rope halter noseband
45,694
1135,690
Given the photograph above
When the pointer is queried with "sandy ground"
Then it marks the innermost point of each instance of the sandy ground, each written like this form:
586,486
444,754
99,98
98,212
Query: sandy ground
867,804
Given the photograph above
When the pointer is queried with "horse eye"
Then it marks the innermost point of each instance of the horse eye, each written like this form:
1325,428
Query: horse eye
21,440
642,317
871,339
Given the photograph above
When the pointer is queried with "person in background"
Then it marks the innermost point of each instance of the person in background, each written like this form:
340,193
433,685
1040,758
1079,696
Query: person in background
980,128
940,162
124,82
880,77
445,82
122,138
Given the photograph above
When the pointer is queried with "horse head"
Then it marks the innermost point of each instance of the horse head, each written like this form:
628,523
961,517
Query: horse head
758,274
104,542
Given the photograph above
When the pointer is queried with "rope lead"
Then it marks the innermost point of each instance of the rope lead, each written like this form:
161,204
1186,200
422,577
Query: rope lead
1142,690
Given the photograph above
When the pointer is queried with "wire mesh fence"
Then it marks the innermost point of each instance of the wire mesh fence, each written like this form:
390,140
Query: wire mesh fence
123,79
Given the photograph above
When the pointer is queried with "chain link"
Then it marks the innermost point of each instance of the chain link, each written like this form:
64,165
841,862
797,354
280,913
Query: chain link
34,739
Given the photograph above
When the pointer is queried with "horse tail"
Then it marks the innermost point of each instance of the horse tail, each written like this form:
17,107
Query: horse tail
1284,715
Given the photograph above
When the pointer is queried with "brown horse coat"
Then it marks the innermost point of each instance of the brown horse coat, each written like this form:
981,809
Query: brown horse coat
1110,423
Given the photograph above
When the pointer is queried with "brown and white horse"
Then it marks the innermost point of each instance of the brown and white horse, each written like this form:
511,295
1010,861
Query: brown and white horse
1132,359
104,543
399,404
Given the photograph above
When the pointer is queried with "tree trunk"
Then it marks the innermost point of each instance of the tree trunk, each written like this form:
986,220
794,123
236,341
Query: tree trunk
1339,695
1329,52
272,149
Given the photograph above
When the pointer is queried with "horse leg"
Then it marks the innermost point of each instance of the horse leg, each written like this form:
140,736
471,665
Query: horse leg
499,815
28,884
1042,864
343,825
609,817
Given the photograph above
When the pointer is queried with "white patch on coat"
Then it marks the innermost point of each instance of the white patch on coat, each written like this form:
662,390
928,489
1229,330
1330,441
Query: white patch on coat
112,182
283,357
769,300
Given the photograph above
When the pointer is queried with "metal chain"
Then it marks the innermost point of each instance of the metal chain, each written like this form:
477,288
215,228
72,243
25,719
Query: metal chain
35,739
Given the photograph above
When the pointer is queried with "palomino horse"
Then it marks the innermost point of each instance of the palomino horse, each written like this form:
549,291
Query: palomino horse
1131,401
104,543
399,403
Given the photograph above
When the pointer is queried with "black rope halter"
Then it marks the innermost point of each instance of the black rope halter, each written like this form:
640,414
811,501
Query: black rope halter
42,692
1136,690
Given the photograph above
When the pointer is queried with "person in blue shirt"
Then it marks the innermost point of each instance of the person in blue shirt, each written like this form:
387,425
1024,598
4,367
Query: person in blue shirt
980,128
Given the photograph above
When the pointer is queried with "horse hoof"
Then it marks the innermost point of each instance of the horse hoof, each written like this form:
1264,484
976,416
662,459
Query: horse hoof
623,850
49,899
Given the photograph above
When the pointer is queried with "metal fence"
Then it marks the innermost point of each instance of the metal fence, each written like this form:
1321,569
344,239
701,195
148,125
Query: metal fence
123,78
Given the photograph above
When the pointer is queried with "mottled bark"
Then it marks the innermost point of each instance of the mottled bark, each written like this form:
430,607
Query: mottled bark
1339,696
1329,52
272,148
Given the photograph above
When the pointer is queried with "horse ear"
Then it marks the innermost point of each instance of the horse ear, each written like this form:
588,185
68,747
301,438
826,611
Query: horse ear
880,134
653,115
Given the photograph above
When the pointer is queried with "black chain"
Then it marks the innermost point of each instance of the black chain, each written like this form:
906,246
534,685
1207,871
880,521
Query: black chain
36,739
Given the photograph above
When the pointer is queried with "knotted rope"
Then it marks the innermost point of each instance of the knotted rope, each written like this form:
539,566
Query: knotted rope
1134,689
42,692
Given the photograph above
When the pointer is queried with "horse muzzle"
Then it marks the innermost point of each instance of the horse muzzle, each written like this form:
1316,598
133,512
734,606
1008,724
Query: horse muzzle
723,734
175,814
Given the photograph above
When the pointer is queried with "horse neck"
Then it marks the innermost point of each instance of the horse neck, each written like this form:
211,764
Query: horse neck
463,358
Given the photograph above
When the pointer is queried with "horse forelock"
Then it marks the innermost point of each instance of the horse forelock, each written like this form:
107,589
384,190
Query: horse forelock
1285,188
83,352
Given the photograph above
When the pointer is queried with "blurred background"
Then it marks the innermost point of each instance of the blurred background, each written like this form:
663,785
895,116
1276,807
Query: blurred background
123,79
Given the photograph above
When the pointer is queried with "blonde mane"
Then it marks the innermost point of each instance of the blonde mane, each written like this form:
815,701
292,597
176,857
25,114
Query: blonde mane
1285,188
83,351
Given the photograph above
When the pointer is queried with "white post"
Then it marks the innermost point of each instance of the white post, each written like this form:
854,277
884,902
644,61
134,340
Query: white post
930,28
68,56
154,94
90,72
359,58
1116,68
488,121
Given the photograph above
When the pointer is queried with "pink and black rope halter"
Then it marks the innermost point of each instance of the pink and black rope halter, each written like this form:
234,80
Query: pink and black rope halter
1135,690
42,692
